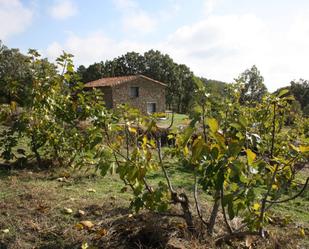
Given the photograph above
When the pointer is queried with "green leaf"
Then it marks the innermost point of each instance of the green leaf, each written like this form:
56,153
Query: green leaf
214,153
234,149
250,156
213,125
282,92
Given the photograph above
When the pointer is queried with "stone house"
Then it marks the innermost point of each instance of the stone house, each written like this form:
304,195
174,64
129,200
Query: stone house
137,91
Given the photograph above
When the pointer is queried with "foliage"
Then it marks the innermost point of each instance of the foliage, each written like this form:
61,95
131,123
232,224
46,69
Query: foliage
15,76
253,85
53,119
300,90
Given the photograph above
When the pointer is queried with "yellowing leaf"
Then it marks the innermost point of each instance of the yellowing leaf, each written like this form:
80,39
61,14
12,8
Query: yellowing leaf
274,187
250,156
302,232
132,130
213,125
185,151
256,206
79,226
145,140
84,245
87,224
303,148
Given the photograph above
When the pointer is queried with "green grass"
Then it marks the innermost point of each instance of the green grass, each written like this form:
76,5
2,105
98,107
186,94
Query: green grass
179,120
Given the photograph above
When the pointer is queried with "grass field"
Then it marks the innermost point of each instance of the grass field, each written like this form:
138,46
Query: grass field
36,212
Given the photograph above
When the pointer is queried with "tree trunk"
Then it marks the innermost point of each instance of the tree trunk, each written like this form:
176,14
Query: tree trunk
214,213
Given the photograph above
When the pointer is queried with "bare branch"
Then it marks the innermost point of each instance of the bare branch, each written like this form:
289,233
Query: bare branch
162,166
199,213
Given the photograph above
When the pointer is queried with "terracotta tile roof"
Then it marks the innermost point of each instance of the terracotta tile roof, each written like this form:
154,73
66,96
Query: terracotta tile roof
114,81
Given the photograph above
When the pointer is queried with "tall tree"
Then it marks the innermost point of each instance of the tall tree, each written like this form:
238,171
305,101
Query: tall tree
253,88
15,76
300,90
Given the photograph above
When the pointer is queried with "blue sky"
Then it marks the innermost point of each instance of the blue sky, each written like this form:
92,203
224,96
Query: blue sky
216,38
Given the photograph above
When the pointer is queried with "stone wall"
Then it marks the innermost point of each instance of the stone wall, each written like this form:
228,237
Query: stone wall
108,96
149,92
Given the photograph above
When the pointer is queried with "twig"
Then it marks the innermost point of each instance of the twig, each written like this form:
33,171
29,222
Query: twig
197,202
229,228
293,197
163,168
172,122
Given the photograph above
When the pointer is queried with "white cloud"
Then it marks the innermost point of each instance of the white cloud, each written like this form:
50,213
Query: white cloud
139,21
218,47
64,9
134,18
209,6
94,47
221,47
14,18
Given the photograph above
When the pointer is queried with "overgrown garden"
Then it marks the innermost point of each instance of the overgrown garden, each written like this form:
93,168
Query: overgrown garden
243,150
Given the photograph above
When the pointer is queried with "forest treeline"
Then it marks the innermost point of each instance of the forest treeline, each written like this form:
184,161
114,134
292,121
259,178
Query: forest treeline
16,79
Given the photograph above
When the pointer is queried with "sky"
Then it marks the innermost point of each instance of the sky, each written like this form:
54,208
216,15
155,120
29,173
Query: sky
217,39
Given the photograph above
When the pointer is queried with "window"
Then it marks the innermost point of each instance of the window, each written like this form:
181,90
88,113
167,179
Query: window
151,107
134,92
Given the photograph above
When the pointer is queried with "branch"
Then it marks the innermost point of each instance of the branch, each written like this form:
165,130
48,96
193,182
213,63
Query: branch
263,208
148,187
163,168
203,123
293,197
172,122
196,201
273,133
229,228
127,139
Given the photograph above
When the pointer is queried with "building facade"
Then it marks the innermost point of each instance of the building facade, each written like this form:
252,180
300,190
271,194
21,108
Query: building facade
138,91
